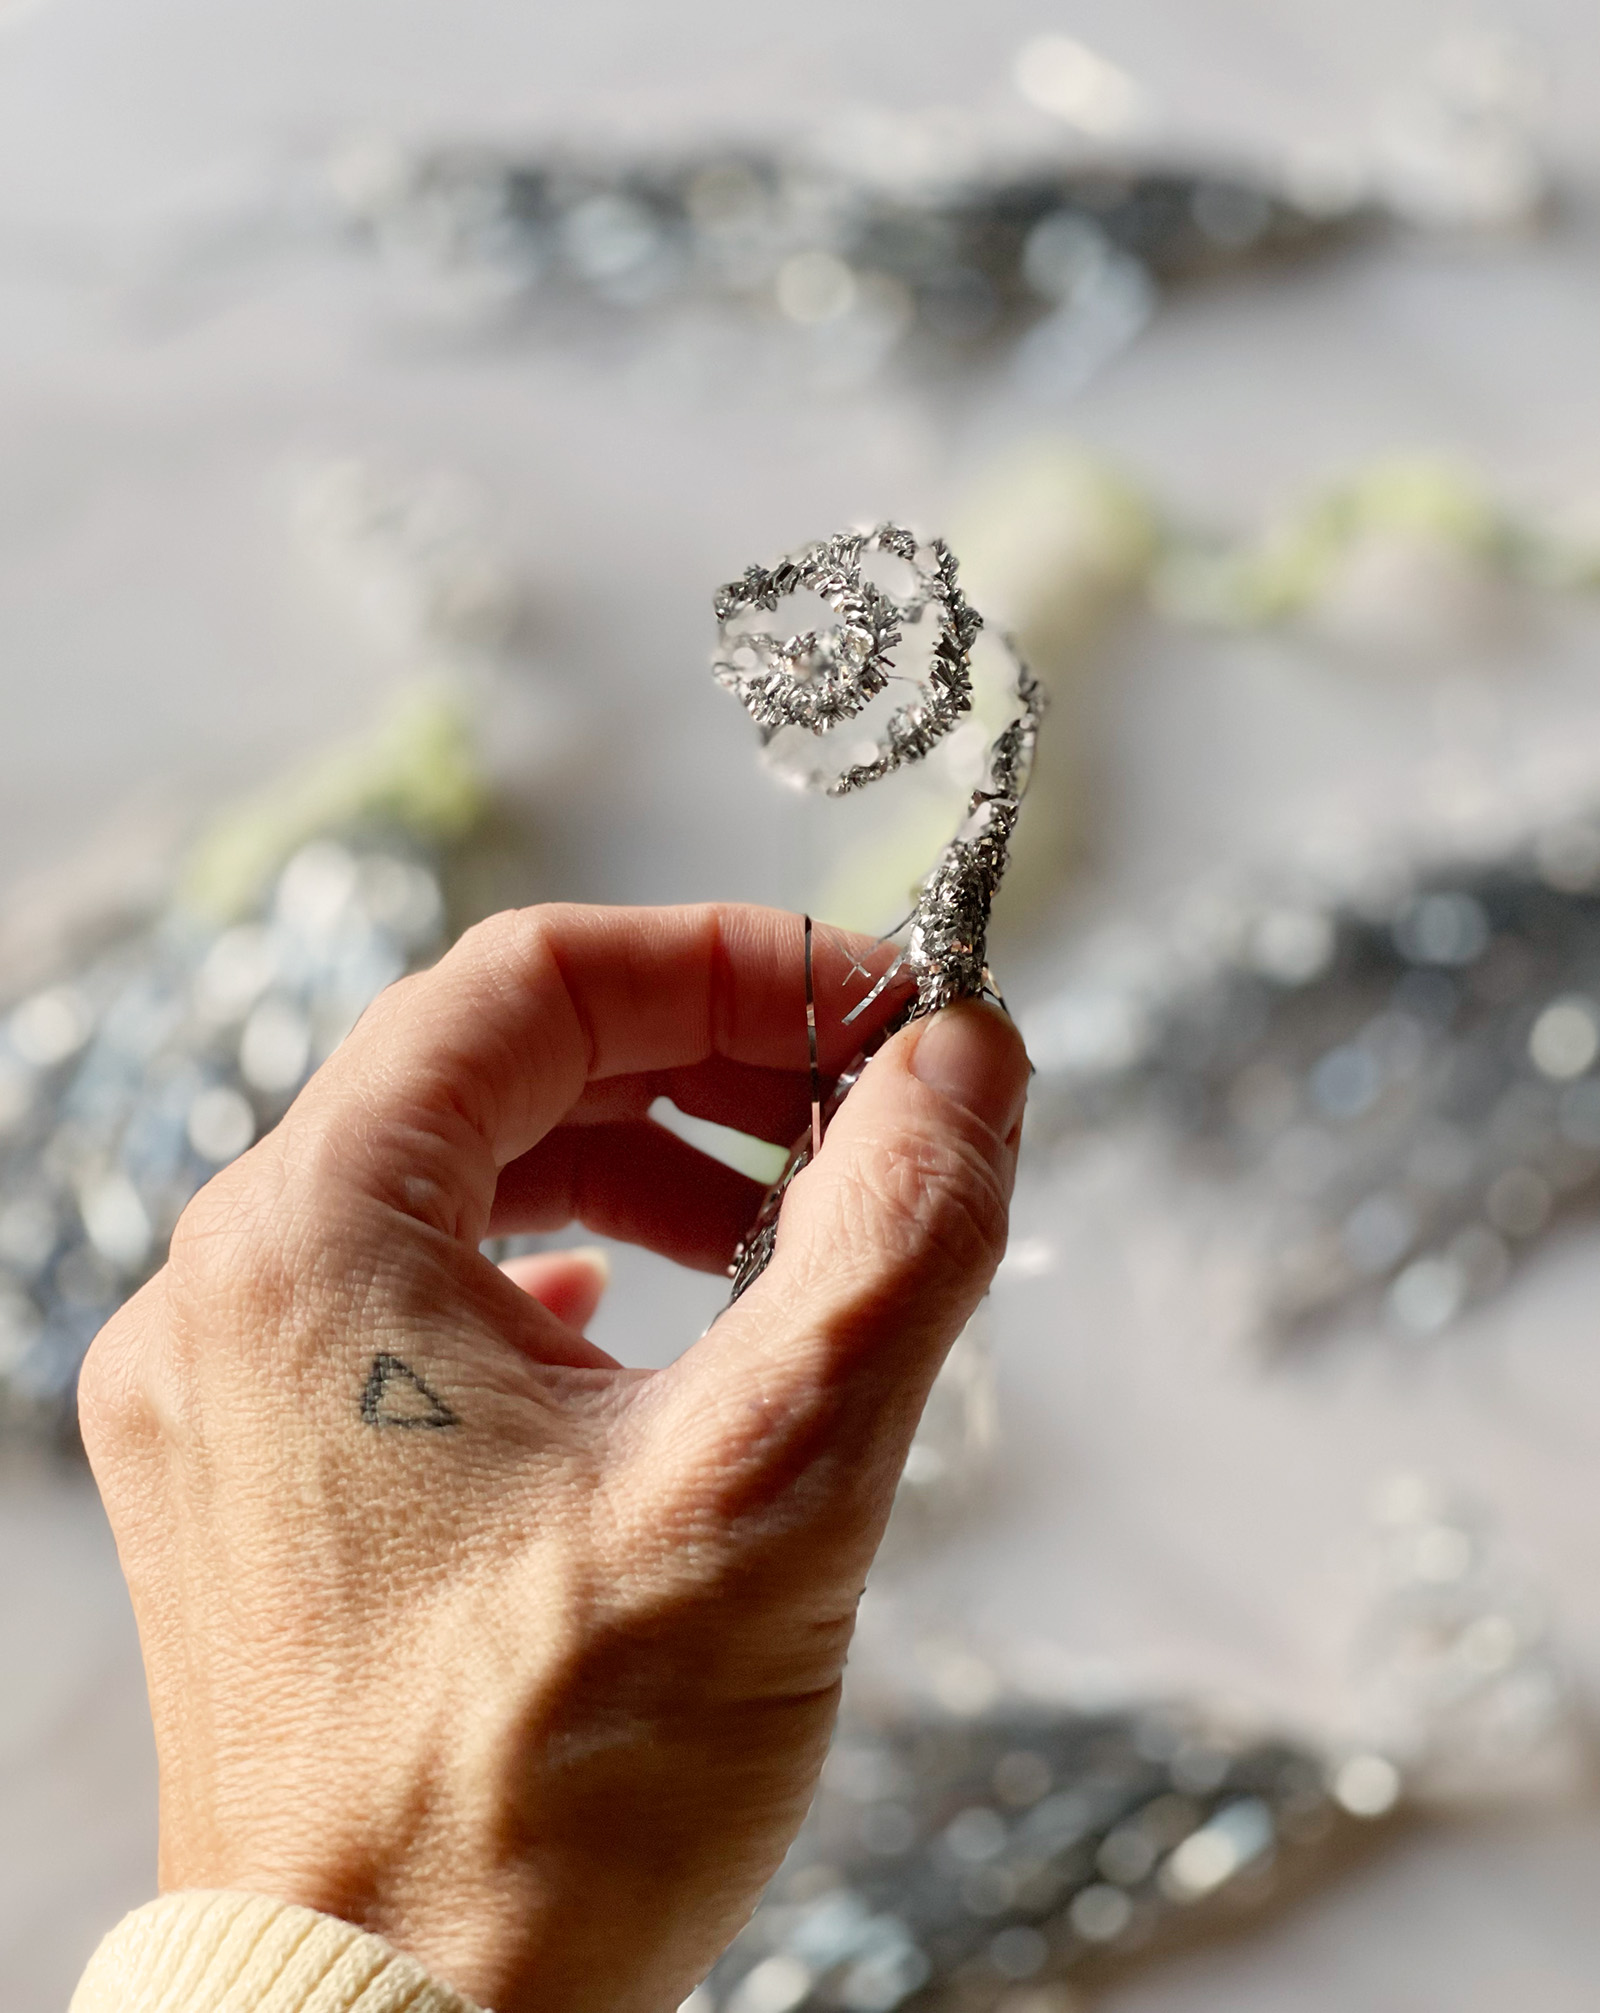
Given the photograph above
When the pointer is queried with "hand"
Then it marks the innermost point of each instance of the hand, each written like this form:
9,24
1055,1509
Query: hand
453,1626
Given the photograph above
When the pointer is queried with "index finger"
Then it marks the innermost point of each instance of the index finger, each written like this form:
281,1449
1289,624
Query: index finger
456,1072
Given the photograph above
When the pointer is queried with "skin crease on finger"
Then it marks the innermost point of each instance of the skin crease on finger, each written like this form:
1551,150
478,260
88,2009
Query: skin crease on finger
453,1626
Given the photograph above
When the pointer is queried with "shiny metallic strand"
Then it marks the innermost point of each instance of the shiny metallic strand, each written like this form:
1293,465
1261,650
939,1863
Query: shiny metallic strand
816,682
947,949
805,680
755,1250
127,1082
915,728
949,1860
932,270
1406,1089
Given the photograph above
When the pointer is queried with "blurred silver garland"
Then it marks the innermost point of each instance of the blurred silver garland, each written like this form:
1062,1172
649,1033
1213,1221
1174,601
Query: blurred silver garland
947,264
817,681
941,237
950,1861
976,1845
946,235
1403,1078
125,1086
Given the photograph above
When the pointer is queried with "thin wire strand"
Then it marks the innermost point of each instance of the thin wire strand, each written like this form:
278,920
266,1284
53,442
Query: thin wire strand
811,1044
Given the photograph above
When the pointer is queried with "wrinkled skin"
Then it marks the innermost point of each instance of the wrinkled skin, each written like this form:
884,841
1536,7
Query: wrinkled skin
537,1685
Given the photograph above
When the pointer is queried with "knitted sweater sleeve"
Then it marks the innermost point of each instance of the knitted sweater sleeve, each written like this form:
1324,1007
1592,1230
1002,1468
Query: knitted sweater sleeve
241,1953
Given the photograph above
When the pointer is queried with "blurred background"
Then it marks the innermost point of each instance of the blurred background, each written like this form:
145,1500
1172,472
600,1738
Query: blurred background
383,395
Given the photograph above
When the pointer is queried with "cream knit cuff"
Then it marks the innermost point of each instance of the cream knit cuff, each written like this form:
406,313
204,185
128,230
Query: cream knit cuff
241,1953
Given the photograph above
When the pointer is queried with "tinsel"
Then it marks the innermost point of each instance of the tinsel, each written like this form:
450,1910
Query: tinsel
819,682
816,682
1403,1079
944,260
126,1083
950,1860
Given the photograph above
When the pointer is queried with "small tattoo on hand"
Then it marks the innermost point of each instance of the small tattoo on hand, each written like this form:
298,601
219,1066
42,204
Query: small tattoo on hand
396,1396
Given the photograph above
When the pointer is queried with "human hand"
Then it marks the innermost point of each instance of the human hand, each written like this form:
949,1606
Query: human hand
453,1626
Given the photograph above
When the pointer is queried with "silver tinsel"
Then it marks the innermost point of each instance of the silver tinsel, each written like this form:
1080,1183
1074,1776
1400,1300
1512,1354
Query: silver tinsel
1403,1081
815,682
819,682
944,262
127,1083
968,1862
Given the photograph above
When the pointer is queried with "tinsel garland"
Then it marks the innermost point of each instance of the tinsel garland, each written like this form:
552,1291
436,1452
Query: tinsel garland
817,682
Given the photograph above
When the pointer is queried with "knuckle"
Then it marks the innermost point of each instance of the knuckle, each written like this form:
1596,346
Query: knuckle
118,1410
226,1252
214,1237
508,935
395,1000
228,1278
490,938
110,1402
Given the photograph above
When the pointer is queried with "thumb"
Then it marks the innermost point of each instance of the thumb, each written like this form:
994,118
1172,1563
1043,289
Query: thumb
886,1244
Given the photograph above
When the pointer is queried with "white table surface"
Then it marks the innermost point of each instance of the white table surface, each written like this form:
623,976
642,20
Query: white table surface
1166,1507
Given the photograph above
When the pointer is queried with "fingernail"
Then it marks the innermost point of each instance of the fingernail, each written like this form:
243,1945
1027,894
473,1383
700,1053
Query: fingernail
972,1053
596,1257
